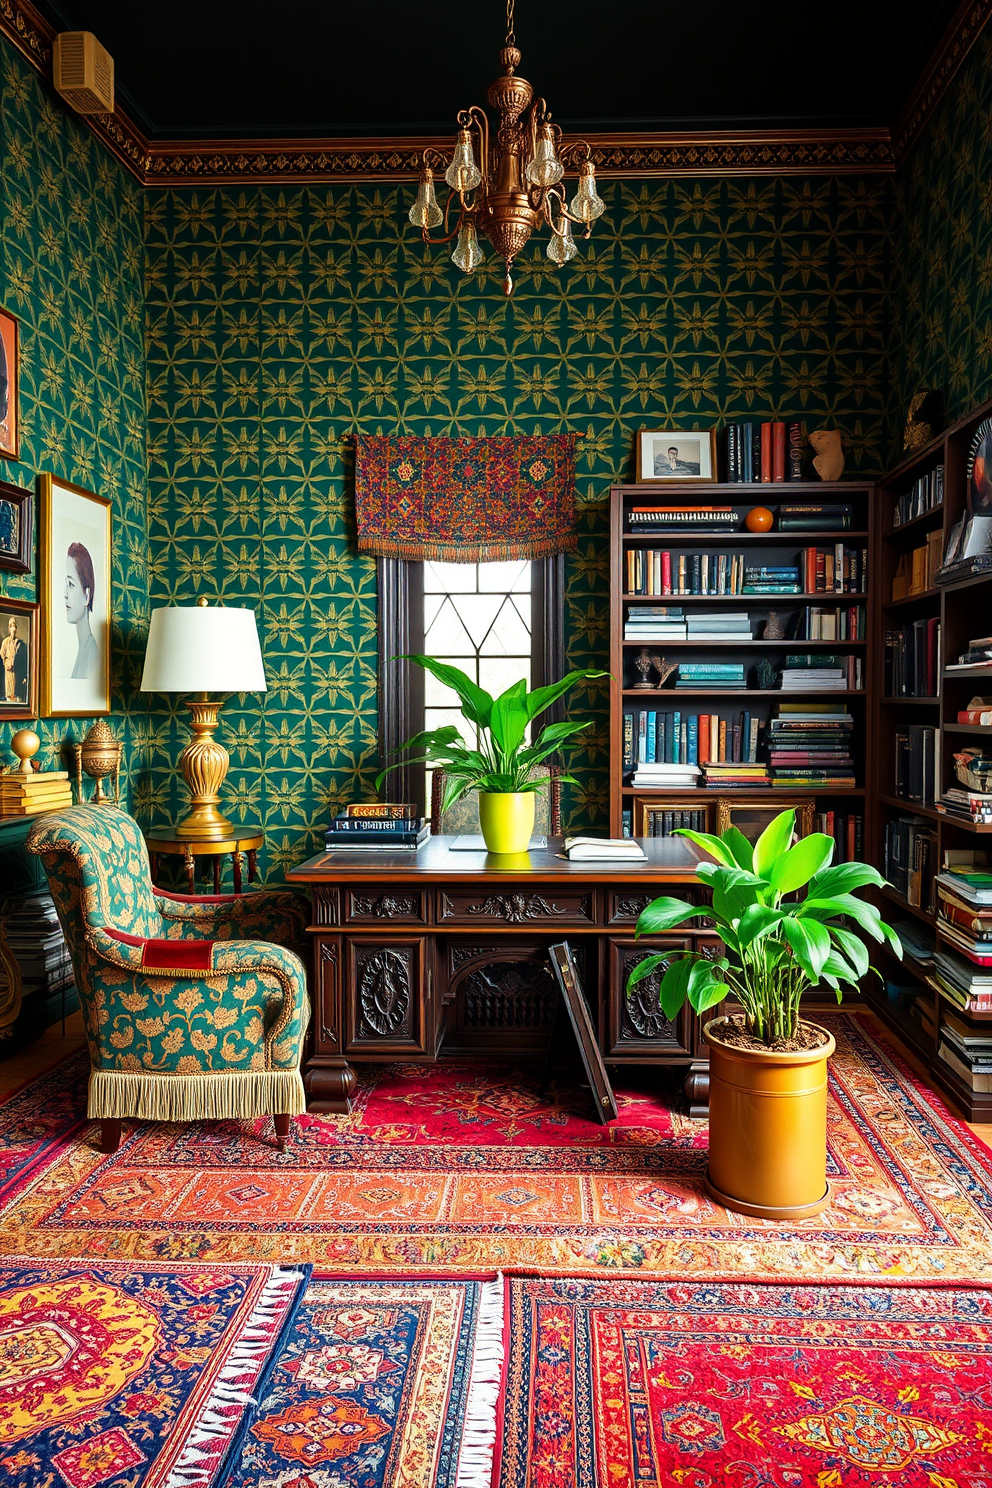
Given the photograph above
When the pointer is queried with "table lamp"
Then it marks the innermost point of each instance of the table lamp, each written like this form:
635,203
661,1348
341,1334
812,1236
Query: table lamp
203,648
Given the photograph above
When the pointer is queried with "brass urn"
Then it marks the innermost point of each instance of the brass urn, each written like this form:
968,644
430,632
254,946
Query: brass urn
98,756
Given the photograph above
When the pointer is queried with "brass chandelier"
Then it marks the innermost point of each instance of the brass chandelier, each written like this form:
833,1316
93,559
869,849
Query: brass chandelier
509,189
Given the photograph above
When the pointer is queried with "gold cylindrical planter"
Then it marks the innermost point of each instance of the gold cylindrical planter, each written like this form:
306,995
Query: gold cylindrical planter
507,820
768,1128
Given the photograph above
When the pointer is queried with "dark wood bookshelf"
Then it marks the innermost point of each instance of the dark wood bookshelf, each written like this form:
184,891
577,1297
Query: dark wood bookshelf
957,609
759,548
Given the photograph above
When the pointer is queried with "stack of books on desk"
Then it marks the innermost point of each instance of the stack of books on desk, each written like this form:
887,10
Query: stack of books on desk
26,795
378,826
605,849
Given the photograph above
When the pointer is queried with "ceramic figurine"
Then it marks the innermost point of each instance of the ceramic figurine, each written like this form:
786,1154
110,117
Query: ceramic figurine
767,674
829,461
774,630
642,662
663,668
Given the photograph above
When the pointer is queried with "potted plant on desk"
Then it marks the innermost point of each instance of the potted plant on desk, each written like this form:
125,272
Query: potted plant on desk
768,1066
501,766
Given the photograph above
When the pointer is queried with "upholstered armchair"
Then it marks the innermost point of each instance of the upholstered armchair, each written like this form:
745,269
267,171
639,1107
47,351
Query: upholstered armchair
194,1009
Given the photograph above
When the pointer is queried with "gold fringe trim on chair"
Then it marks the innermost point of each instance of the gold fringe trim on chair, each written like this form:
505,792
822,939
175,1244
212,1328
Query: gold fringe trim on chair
207,1097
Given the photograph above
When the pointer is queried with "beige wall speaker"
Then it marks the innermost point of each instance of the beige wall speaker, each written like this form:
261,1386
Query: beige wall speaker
83,72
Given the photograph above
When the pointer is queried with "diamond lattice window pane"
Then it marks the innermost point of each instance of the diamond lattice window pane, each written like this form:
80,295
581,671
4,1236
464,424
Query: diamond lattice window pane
497,673
508,635
450,578
447,636
505,578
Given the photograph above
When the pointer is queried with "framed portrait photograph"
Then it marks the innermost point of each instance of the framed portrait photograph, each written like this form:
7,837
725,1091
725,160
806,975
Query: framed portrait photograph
753,819
676,455
9,434
75,547
19,623
16,507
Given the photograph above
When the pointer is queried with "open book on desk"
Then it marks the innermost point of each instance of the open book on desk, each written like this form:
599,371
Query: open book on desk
615,849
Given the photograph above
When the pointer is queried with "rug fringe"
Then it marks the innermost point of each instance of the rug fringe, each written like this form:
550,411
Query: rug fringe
475,1455
216,1426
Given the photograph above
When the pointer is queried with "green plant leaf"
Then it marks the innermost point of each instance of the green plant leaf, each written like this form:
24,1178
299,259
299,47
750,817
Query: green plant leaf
810,944
645,968
773,842
859,910
477,704
715,846
734,892
740,847
543,697
706,991
662,914
836,966
853,947
508,721
674,986
757,921
797,866
842,878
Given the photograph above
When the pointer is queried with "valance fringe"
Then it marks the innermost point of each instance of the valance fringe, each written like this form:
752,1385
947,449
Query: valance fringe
212,1096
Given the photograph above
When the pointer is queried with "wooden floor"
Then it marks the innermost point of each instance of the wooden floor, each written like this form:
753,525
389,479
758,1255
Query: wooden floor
52,1047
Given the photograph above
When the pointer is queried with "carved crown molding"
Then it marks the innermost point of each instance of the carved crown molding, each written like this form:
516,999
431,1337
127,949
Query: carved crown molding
626,156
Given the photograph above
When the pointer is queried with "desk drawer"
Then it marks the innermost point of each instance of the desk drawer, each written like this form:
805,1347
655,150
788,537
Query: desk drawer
376,904
514,904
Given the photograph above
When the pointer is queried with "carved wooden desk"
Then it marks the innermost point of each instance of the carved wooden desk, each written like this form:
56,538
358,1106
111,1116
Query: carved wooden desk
451,947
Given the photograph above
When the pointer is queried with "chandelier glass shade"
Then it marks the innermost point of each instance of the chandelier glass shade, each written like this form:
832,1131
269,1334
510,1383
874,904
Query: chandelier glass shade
505,185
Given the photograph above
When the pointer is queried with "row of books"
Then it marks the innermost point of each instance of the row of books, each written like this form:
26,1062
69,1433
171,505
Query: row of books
660,572
814,673
810,746
377,826
820,623
977,653
764,452
910,860
801,517
922,496
847,828
916,767
967,1051
912,659
676,738
660,822
916,572
671,623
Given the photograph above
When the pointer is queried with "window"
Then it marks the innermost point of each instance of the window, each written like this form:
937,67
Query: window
496,621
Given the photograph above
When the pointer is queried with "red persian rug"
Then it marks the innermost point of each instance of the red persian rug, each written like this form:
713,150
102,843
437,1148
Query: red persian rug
463,1169
137,1375
633,1384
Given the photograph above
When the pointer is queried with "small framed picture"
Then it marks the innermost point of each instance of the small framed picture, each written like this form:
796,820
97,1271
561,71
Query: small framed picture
9,433
567,977
676,455
752,819
19,653
16,507
75,538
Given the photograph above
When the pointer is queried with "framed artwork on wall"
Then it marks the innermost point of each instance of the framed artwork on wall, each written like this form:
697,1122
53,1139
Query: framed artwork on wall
752,818
75,546
676,455
19,654
9,434
15,528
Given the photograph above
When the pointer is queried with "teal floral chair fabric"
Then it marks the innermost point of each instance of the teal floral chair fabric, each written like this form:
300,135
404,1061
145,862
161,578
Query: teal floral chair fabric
194,1008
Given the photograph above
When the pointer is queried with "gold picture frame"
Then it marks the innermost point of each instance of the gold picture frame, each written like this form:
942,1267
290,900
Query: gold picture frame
20,621
689,803
694,451
75,547
752,817
10,380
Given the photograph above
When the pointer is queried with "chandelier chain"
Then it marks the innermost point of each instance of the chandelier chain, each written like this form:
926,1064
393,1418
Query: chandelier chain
510,37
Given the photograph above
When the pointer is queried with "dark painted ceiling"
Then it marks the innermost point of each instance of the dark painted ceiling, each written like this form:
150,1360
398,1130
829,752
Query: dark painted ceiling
279,68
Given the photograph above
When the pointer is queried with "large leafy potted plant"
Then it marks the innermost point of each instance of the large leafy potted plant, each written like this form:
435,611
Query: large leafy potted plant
768,1066
500,766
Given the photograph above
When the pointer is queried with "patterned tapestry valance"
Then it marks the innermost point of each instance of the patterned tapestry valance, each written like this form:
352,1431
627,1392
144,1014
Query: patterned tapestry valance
465,500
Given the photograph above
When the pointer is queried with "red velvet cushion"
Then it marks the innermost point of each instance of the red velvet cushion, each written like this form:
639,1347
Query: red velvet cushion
173,955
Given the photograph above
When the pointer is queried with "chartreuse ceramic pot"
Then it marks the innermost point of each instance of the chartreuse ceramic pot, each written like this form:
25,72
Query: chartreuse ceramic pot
768,1128
507,820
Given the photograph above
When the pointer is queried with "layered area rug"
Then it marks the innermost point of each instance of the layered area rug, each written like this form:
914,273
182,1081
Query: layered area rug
458,1169
382,1384
649,1385
141,1375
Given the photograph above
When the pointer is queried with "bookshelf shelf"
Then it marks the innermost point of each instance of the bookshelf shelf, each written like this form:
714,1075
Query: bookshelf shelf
752,601
667,692
702,642
764,792
903,725
704,539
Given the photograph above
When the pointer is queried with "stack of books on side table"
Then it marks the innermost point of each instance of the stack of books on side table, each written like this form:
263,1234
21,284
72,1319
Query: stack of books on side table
27,795
378,826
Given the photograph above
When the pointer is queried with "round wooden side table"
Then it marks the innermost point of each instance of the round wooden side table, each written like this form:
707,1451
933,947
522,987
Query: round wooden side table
244,840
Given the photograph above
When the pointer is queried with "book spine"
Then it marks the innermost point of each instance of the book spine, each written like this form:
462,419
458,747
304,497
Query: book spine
666,572
628,741
778,451
766,454
794,459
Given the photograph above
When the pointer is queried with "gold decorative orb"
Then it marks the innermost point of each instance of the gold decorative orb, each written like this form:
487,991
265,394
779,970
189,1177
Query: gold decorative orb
25,743
759,519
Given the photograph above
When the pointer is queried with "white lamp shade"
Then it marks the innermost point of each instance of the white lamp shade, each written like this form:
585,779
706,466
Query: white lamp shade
203,648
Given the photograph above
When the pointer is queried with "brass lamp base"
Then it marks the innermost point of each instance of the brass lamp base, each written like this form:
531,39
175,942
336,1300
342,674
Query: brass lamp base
204,764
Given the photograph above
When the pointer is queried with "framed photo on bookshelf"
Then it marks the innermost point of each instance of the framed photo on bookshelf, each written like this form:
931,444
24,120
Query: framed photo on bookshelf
662,818
676,455
752,817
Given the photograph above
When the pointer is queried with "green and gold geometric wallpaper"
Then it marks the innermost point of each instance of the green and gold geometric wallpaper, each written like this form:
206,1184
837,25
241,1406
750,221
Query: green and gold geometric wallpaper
72,271
942,248
280,321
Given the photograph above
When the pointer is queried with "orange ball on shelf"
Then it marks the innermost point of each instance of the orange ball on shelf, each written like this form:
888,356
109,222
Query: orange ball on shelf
759,519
